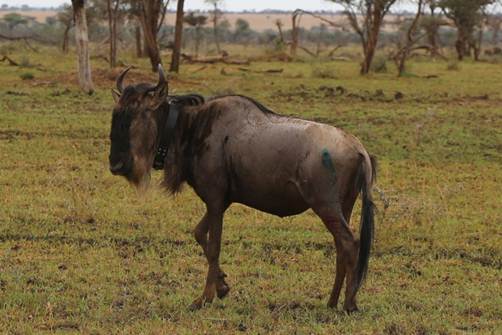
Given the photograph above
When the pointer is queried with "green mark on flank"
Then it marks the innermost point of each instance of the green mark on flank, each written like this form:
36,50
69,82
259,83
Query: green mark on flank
326,160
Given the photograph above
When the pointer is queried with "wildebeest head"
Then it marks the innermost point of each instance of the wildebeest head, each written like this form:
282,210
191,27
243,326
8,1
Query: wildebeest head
134,128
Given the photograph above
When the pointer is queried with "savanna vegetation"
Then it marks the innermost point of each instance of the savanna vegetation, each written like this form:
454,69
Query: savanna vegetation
82,252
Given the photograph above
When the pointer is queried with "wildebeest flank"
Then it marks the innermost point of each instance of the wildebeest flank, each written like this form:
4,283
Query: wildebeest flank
233,149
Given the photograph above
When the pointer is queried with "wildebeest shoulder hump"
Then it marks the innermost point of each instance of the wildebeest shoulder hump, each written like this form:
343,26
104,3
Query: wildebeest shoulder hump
260,106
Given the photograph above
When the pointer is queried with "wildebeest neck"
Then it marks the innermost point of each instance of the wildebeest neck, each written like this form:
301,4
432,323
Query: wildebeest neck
193,125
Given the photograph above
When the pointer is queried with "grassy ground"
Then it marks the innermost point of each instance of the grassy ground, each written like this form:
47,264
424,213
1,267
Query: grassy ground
81,252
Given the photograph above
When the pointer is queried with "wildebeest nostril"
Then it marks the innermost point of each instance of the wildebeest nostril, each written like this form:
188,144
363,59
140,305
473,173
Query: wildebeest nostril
116,167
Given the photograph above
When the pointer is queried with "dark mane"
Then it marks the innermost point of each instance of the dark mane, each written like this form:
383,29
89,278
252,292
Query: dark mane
194,126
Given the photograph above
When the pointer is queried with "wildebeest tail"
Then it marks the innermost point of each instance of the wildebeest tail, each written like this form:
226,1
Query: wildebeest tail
367,175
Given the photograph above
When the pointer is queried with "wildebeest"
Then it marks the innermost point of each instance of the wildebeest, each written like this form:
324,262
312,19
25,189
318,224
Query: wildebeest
233,149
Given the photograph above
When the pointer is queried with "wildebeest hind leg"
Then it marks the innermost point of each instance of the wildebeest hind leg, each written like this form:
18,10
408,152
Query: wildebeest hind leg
346,256
200,233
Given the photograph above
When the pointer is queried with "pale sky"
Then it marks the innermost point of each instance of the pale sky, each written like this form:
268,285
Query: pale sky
231,5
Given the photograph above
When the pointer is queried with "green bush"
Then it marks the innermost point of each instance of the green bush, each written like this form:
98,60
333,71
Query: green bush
27,76
379,65
324,73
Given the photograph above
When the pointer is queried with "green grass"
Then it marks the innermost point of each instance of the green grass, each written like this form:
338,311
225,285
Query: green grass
80,251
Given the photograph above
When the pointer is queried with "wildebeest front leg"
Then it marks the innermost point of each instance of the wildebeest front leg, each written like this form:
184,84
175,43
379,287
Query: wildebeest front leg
200,233
212,252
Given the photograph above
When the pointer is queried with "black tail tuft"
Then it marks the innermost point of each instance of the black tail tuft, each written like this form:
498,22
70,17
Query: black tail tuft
367,220
366,239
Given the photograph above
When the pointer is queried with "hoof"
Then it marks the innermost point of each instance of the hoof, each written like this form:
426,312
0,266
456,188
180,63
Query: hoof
222,290
332,304
195,306
198,304
351,309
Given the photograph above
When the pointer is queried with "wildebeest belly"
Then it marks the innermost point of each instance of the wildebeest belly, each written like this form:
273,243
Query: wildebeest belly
281,202
263,168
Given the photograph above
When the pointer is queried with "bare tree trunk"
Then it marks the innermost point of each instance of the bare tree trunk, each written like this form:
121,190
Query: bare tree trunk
278,23
112,25
215,28
139,49
197,40
82,41
432,38
294,33
478,43
404,53
372,13
319,40
371,44
175,62
461,44
64,47
149,20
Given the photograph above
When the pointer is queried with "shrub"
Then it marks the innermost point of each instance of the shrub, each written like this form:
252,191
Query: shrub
27,76
453,65
324,73
25,62
379,65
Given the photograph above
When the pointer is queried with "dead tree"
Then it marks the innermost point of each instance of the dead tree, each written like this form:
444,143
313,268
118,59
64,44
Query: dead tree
215,18
65,16
372,14
279,25
112,8
151,14
137,37
82,41
295,32
410,40
175,62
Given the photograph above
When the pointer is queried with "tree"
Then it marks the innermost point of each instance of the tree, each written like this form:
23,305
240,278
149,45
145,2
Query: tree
113,12
431,24
372,14
410,39
15,19
65,16
216,15
494,22
279,25
196,21
242,31
175,62
295,31
150,14
82,41
467,15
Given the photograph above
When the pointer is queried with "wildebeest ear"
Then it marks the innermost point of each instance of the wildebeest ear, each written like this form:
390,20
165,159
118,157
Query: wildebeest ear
115,95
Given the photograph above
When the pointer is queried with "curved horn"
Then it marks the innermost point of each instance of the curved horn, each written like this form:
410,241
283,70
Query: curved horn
162,78
120,79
